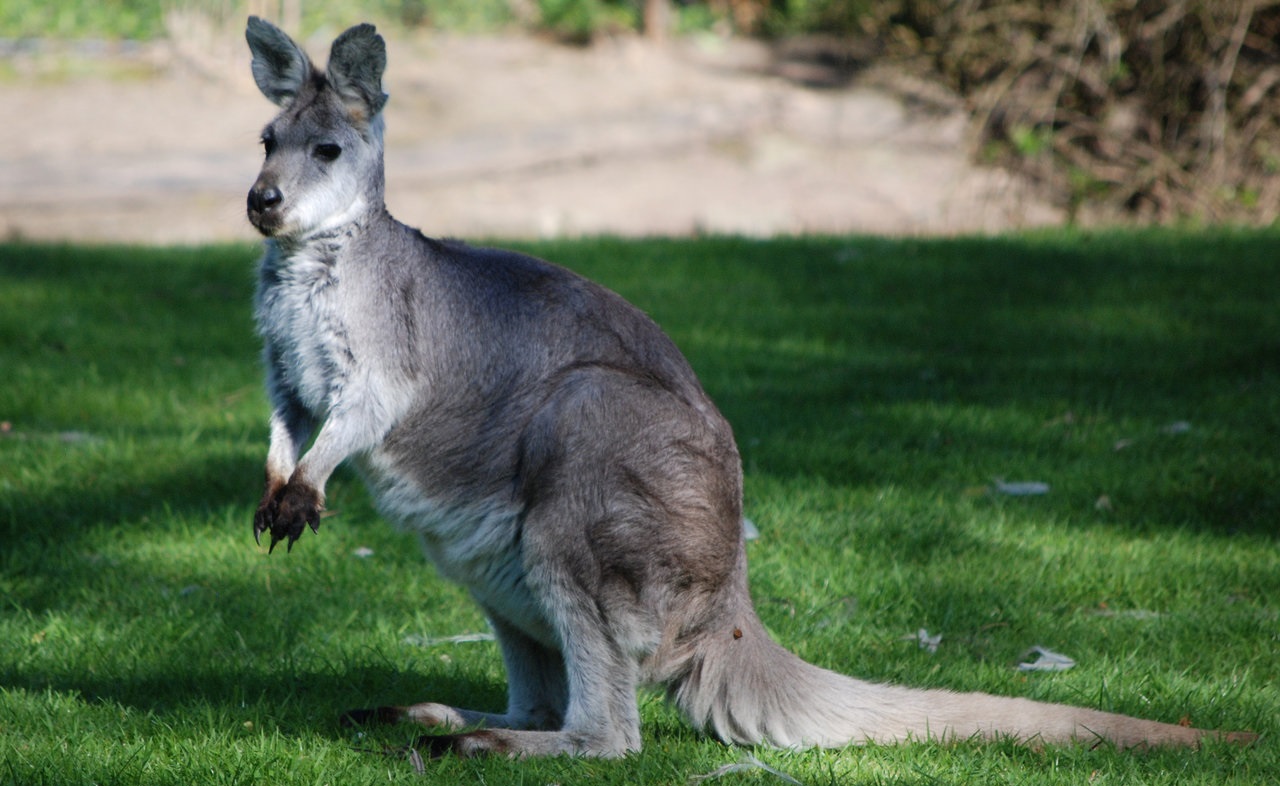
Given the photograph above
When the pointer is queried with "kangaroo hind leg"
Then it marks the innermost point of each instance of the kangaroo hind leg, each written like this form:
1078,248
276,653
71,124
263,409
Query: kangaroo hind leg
595,629
601,717
536,692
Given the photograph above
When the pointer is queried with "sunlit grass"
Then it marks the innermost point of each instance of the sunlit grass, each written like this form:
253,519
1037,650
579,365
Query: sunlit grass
878,389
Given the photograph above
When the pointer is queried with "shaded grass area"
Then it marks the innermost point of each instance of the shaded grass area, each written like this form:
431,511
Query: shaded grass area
878,389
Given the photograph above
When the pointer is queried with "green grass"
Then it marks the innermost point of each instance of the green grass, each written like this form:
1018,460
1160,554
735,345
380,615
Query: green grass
877,388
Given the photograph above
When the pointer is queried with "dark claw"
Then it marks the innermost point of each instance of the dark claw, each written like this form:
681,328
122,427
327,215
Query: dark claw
438,746
264,518
259,526
288,513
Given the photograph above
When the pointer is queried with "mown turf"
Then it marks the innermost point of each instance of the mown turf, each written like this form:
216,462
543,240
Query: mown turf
879,390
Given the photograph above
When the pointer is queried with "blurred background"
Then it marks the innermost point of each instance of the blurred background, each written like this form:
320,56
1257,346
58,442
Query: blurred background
137,121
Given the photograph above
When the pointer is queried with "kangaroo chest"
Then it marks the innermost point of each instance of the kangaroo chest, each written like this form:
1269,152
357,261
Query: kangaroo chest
302,322
309,315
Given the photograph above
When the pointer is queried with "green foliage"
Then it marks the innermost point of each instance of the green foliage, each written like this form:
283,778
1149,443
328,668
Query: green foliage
475,15
145,19
836,17
135,19
1031,141
575,20
579,20
876,387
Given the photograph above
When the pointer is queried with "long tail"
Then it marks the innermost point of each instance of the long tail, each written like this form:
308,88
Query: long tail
743,687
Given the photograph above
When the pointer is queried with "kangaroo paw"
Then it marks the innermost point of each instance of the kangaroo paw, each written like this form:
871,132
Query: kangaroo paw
481,742
518,743
426,714
435,747
294,508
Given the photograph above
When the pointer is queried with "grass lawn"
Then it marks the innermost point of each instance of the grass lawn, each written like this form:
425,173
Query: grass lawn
881,391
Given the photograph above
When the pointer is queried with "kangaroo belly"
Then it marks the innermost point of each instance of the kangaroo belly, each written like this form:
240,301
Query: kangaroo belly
475,544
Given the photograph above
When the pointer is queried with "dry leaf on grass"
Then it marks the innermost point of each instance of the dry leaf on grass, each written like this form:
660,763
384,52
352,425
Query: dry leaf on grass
1046,660
1027,488
747,764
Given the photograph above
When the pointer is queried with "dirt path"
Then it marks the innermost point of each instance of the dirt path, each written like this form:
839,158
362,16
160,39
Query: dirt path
512,137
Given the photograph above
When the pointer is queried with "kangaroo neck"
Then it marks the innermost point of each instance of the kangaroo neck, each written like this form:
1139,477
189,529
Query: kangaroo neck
329,241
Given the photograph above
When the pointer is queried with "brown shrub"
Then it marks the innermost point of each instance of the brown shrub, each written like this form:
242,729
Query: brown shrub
1160,110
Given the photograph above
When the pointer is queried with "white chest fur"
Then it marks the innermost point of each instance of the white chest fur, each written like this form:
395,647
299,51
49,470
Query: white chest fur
300,317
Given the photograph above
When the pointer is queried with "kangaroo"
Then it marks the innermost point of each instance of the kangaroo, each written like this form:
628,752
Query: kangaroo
554,452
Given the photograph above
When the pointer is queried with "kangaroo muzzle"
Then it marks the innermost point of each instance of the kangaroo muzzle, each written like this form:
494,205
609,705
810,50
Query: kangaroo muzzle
264,207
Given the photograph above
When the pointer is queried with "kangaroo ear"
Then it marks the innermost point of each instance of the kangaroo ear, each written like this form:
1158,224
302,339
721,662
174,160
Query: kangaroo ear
356,63
280,67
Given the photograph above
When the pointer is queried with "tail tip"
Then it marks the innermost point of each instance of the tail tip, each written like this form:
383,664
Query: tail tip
1241,738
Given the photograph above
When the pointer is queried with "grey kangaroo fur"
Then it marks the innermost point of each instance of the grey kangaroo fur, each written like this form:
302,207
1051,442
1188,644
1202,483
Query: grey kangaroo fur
554,452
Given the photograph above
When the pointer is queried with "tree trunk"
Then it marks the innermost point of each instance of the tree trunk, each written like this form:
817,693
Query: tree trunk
657,19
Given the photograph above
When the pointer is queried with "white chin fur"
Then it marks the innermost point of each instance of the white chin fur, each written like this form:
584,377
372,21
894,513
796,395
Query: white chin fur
318,215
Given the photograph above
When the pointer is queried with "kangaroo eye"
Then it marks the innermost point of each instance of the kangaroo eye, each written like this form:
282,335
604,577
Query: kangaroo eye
269,143
328,152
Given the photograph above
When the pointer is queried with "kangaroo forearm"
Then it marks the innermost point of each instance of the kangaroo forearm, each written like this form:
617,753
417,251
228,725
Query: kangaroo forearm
285,447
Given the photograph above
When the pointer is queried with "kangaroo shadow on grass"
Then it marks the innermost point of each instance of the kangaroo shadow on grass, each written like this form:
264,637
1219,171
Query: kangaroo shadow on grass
225,646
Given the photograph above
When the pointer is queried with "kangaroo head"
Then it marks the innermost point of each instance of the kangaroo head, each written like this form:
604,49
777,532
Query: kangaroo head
323,164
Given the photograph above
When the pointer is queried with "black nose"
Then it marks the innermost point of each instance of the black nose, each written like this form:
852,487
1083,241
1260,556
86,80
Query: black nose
263,199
